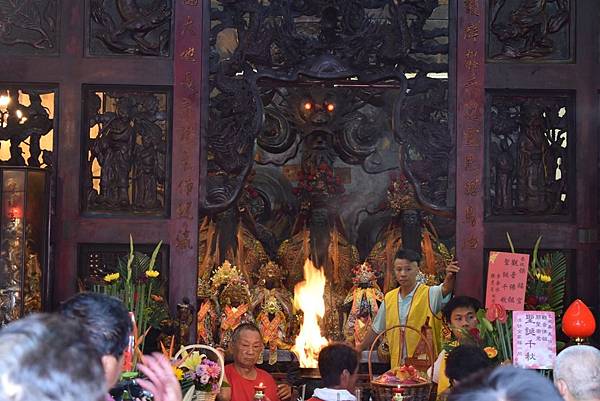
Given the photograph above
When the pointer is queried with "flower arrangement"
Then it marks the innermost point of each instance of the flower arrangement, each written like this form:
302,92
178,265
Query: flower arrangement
545,291
197,370
136,283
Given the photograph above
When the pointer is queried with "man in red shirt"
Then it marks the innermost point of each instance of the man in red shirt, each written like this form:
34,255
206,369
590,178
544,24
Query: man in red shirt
243,375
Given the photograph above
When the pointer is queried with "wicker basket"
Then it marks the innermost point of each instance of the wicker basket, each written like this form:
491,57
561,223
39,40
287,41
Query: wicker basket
412,392
192,394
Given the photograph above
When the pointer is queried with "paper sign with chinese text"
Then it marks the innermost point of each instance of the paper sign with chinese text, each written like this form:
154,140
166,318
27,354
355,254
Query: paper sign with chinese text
506,280
534,339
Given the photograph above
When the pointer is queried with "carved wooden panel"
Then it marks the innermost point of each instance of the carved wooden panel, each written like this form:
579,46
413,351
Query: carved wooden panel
328,124
29,27
530,154
27,125
129,27
97,260
530,30
126,157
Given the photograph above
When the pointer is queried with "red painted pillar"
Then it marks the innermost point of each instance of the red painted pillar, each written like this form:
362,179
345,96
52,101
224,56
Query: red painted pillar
187,90
470,102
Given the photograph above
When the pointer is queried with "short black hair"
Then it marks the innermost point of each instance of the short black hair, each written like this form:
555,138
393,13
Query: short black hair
333,360
104,318
461,301
408,254
506,383
466,360
43,357
235,336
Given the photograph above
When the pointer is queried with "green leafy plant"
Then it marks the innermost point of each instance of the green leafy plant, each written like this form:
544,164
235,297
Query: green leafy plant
136,283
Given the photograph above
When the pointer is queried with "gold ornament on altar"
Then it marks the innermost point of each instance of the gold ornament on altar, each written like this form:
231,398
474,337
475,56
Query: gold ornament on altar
271,272
204,289
225,274
401,195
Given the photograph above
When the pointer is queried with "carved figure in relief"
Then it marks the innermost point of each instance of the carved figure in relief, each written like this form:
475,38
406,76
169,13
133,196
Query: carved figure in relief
113,148
129,32
130,149
148,170
504,178
531,180
527,32
28,22
39,124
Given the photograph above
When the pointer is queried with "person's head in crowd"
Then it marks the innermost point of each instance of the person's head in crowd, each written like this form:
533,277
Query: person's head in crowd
577,373
246,345
505,383
43,357
460,313
465,360
406,268
107,326
338,366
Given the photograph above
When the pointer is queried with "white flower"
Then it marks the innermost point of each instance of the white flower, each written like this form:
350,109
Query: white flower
204,379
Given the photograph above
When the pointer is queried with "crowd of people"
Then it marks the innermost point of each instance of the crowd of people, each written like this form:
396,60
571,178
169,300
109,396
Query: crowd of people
77,354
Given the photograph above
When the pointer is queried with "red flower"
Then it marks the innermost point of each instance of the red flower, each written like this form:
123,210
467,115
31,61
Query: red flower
531,300
496,312
474,332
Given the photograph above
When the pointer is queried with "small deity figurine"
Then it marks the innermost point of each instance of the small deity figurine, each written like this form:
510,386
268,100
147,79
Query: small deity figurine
185,317
270,284
235,303
207,314
273,325
364,299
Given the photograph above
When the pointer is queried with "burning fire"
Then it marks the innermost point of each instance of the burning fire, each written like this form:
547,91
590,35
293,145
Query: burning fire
308,296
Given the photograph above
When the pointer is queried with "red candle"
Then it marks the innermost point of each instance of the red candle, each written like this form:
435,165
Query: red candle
259,392
398,389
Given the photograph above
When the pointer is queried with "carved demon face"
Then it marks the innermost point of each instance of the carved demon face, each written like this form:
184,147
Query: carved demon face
317,107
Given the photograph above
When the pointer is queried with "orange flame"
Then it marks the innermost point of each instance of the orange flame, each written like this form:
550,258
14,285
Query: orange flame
308,296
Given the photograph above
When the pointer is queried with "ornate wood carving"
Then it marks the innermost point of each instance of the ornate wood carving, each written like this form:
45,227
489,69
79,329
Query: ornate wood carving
126,157
319,99
530,154
532,30
294,41
134,27
29,27
27,124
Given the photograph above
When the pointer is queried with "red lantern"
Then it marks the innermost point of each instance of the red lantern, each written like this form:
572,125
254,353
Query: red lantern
578,321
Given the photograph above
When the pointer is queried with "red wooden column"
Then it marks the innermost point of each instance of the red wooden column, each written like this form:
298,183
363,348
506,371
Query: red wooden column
187,84
470,101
